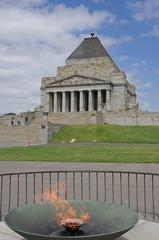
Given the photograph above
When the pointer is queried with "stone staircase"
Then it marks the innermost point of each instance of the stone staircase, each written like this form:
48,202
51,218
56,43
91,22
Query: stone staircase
20,135
30,134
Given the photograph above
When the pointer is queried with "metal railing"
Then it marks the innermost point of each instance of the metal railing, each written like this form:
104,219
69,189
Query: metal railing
136,190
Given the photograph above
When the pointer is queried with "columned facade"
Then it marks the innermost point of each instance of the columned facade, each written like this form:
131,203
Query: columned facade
89,82
78,101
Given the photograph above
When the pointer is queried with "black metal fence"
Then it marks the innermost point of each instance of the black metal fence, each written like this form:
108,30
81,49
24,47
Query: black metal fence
136,190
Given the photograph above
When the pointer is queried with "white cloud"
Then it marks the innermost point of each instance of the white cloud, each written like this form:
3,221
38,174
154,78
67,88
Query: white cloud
111,41
143,62
157,72
133,76
144,85
142,89
21,3
155,31
33,42
24,25
123,58
146,106
146,9
138,65
98,1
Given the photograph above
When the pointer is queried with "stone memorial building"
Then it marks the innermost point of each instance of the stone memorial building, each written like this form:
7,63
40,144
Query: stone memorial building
90,88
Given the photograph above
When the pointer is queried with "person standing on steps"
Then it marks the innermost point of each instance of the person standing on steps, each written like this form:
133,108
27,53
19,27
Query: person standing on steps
12,121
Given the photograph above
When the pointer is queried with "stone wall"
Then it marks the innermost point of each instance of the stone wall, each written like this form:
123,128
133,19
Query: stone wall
70,118
119,118
131,118
47,131
20,135
6,119
96,67
118,98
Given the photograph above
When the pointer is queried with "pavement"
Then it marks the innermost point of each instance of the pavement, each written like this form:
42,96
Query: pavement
15,166
143,230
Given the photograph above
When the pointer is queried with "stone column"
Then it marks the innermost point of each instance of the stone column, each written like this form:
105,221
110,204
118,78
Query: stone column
99,108
51,102
63,101
90,107
47,102
55,101
72,102
81,101
108,100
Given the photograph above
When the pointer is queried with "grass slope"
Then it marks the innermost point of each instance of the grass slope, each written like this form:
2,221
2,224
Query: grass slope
108,134
83,153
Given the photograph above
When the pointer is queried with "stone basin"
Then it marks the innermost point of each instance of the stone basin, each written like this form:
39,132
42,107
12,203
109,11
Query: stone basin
37,221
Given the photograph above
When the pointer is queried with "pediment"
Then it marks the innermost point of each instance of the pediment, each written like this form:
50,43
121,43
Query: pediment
77,80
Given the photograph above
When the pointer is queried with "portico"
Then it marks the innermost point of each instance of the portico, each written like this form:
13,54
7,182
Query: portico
79,101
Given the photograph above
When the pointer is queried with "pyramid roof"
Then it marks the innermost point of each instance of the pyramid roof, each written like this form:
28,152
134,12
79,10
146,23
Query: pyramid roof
89,48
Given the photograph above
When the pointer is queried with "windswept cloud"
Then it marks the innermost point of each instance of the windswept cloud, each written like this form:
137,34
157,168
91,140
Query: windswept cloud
146,9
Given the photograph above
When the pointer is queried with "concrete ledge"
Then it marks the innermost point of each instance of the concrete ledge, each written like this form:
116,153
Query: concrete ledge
143,230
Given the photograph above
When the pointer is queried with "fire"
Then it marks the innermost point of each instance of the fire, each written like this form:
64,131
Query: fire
64,212
85,217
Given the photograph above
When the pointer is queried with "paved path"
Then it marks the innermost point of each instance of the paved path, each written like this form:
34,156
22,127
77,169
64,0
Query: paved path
142,231
15,166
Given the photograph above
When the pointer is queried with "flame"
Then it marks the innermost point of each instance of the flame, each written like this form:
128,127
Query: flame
63,209
85,217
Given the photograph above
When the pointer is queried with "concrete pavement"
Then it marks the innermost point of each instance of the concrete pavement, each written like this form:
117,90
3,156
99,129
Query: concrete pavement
144,230
15,166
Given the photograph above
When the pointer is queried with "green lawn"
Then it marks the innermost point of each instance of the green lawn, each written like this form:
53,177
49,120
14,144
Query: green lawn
94,152
83,153
108,134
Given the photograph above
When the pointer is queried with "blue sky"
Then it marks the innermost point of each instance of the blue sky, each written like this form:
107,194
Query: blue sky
37,35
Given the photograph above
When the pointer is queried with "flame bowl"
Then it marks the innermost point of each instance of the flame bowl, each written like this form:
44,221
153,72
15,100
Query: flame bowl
37,221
